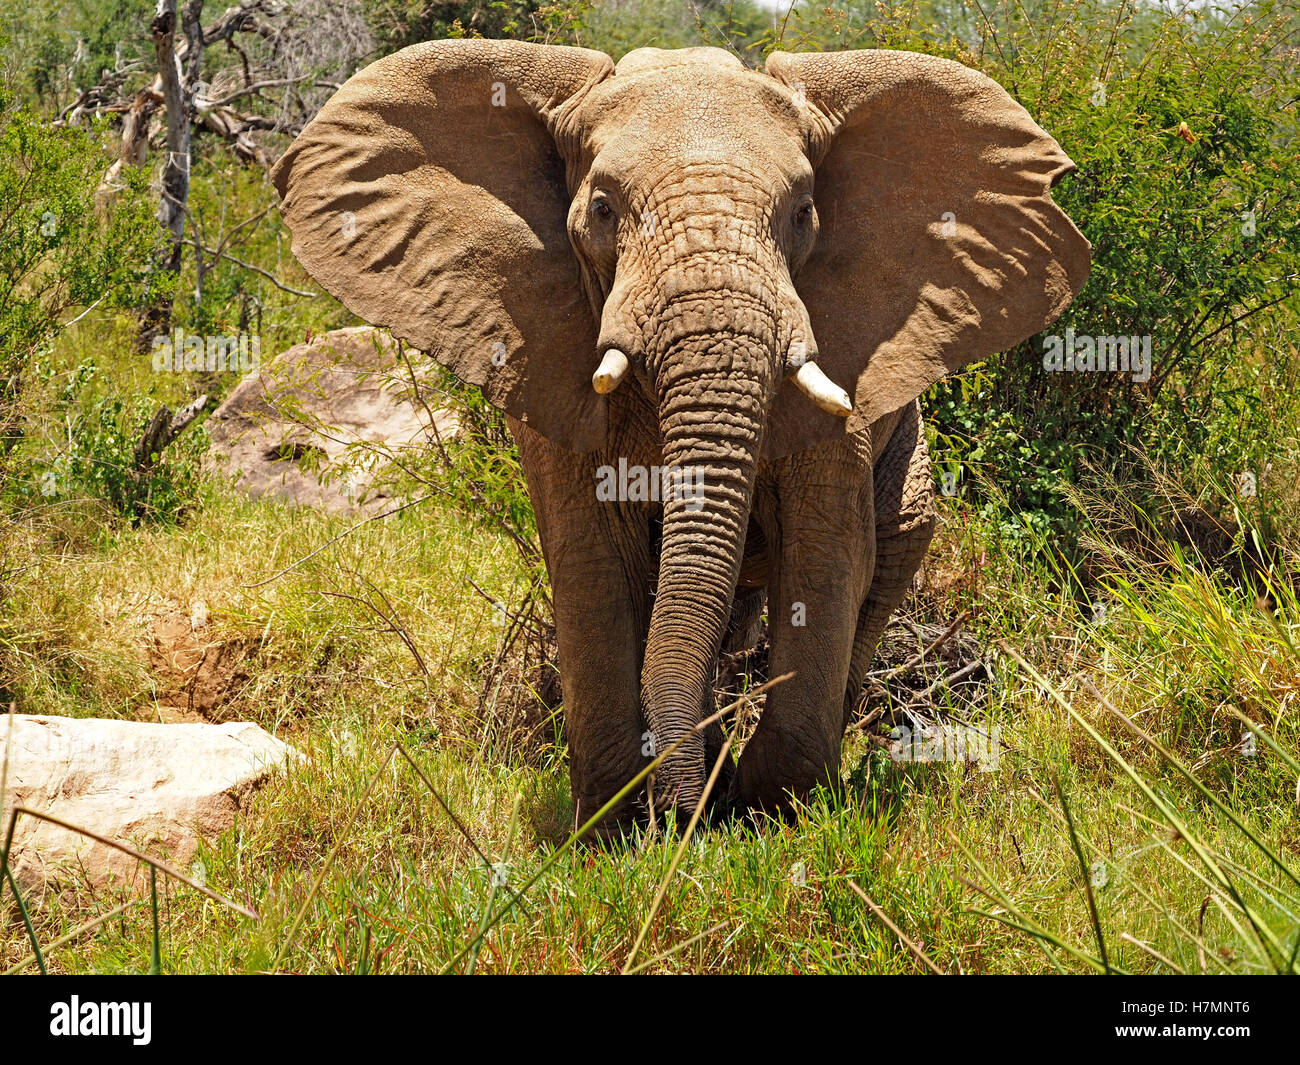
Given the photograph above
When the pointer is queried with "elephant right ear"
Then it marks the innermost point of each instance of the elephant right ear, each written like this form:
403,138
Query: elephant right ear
428,195
939,242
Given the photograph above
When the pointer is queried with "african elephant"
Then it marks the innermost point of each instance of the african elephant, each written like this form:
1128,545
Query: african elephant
707,298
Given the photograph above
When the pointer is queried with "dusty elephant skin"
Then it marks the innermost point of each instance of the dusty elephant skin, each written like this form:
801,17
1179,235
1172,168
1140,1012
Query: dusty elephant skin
745,278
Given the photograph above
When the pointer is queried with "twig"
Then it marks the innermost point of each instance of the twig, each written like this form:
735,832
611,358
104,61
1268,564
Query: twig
219,255
80,930
460,825
161,866
919,659
913,947
677,855
674,949
1153,952
336,539
163,428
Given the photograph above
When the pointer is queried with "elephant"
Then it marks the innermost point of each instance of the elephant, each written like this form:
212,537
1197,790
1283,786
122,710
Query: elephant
707,299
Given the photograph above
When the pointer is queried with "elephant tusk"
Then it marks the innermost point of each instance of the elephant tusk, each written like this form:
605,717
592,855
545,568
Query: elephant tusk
610,373
822,390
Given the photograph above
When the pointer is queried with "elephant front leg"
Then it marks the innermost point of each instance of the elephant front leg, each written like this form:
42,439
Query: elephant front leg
823,538
598,556
905,525
599,635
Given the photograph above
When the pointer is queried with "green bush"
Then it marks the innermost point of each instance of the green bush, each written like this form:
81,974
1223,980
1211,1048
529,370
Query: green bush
101,463
62,243
1184,129
63,247
97,460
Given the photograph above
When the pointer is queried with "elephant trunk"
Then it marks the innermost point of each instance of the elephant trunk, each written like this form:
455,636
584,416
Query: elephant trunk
712,410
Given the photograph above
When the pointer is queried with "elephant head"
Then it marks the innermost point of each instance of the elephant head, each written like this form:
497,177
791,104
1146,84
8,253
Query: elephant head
771,258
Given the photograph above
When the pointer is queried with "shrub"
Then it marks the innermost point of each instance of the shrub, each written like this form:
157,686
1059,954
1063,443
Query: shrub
1184,128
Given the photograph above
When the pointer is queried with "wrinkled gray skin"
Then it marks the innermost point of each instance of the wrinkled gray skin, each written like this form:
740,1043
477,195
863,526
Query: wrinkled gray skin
831,536
720,223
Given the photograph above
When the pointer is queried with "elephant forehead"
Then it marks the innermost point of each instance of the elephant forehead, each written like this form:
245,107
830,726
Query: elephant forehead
640,59
696,112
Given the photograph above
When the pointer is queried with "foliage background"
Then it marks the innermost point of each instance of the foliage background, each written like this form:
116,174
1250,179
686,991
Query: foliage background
1182,119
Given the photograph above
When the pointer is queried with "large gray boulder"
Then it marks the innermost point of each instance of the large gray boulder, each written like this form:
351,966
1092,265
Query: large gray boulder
158,788
314,424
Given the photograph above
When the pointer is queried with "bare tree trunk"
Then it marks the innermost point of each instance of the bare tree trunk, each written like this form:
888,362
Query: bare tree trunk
177,92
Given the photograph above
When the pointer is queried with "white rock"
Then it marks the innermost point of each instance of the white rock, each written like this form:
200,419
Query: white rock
158,788
300,430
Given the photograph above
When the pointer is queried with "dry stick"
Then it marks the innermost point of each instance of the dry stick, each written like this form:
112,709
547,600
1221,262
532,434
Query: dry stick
330,543
618,797
884,917
1153,952
80,930
394,622
1224,883
913,707
948,678
329,859
154,863
518,623
460,825
677,856
650,807
919,659
526,549
497,604
674,949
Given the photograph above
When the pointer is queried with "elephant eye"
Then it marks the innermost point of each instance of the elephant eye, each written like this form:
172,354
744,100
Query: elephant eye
803,213
601,208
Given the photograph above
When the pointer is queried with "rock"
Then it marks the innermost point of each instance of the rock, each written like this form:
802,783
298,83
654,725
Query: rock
291,432
158,788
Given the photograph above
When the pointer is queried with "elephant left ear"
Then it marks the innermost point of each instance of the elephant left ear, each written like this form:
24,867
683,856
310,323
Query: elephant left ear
939,242
429,195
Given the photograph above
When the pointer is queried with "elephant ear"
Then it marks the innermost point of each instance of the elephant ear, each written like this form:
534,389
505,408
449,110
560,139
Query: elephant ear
428,195
939,242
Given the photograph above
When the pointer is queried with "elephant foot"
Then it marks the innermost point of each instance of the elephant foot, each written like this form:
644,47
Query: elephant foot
781,787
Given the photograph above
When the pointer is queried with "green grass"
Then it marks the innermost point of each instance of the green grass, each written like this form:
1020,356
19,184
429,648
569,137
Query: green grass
405,890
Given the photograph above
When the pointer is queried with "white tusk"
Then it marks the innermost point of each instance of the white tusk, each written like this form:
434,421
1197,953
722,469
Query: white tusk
610,373
822,390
